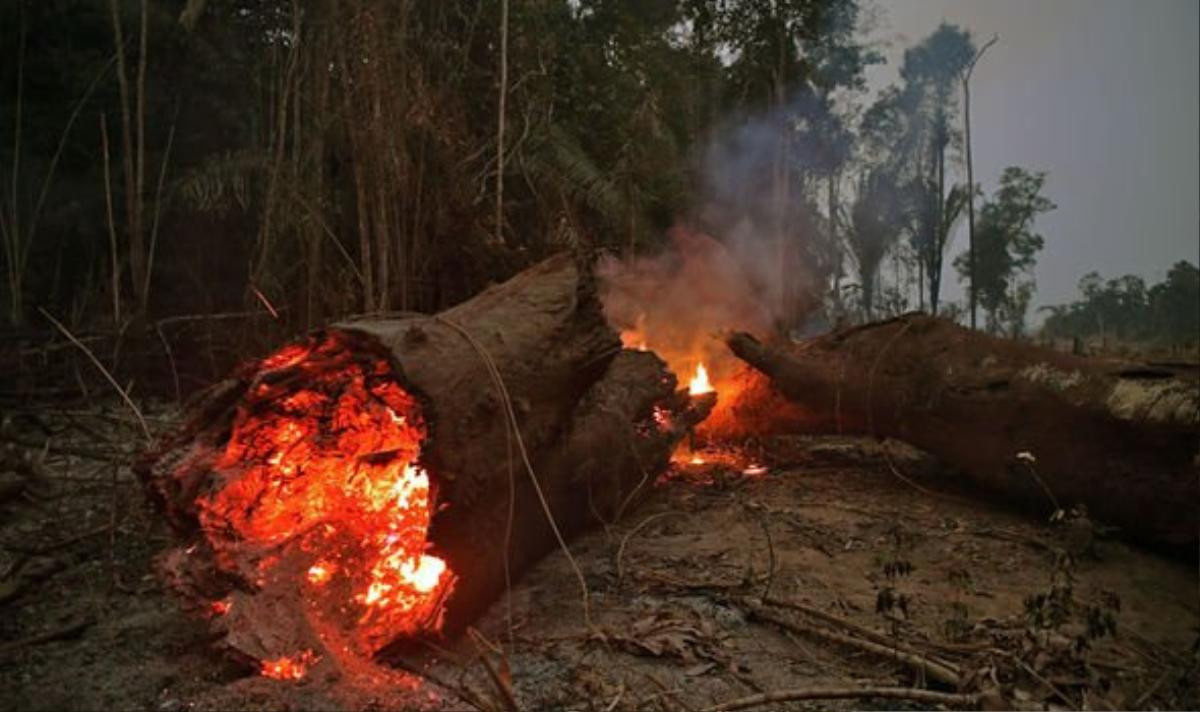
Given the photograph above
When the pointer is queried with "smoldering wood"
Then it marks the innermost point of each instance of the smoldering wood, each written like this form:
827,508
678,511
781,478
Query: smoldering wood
1119,438
591,417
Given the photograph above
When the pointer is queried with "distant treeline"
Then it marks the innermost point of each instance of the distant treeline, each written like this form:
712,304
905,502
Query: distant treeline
1126,310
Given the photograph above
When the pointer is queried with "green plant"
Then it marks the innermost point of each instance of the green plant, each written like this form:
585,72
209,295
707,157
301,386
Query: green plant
892,601
958,625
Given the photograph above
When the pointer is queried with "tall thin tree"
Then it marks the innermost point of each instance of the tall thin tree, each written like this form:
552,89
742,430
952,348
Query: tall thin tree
966,82
500,111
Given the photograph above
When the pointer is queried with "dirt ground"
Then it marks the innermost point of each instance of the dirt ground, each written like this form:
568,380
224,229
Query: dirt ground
848,564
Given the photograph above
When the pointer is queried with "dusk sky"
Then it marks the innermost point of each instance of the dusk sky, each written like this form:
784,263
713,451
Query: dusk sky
1101,94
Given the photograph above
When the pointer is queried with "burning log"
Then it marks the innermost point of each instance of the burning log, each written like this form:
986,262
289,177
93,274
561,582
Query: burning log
365,485
1041,427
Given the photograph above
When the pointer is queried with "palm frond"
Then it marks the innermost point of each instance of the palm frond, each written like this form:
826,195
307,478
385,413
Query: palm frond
222,182
560,159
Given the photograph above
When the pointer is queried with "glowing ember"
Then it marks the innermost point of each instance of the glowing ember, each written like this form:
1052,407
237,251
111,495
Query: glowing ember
319,574
699,384
320,481
753,470
696,460
220,608
289,668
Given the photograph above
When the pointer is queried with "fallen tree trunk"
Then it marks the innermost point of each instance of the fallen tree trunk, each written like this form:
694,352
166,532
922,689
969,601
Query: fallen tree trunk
1118,438
366,486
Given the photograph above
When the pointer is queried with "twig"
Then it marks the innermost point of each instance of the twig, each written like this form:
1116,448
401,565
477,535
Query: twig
62,544
874,368
842,693
887,458
67,631
762,520
88,453
461,691
1045,489
266,303
103,371
616,700
170,360
1045,683
1145,696
162,177
485,646
1004,535
625,540
112,225
212,317
935,670
849,626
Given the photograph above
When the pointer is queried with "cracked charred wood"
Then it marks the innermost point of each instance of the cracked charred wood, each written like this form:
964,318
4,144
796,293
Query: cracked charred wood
1119,438
596,424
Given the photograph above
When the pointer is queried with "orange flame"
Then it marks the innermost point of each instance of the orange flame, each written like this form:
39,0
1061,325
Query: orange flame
699,384
289,668
320,573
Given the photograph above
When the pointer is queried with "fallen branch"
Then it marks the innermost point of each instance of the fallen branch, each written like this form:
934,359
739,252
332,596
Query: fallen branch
930,668
844,693
1119,438
104,371
850,626
625,540
72,450
68,631
501,682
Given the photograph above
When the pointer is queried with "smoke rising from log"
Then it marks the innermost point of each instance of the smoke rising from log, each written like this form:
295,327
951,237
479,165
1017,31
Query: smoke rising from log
678,303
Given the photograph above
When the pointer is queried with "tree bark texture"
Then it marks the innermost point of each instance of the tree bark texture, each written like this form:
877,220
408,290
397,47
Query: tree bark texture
1117,437
597,423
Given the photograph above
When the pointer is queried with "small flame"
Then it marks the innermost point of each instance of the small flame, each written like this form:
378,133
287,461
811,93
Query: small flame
289,668
320,573
699,384
220,608
426,575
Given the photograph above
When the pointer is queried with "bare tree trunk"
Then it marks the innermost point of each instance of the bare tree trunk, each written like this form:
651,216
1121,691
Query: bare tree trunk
971,174
936,247
970,198
781,195
112,223
137,261
12,225
138,235
279,136
500,118
319,61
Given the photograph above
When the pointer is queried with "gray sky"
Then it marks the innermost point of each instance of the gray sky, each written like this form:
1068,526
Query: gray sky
1102,94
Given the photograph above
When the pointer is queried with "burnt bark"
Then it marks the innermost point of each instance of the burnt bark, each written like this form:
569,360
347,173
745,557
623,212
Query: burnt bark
597,422
1116,437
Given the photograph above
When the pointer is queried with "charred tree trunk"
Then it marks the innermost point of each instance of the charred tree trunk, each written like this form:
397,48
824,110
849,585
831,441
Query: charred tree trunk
1118,438
596,424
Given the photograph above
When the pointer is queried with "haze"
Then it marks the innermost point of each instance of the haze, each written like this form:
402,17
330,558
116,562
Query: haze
1103,95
